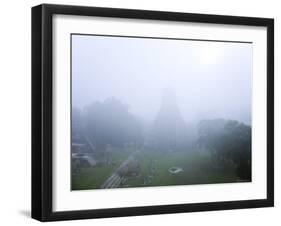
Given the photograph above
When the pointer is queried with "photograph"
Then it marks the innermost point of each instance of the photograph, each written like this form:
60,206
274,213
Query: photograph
142,111
156,111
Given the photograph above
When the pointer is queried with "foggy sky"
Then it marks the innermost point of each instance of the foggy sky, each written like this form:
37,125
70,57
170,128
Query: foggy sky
210,79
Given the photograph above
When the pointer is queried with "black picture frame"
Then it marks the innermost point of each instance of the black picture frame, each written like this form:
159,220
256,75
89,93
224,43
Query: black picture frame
42,107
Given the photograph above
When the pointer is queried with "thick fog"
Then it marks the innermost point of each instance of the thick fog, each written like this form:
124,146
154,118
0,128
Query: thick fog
209,79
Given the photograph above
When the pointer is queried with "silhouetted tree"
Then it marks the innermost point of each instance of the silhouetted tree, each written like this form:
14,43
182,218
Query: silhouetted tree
110,122
228,140
76,125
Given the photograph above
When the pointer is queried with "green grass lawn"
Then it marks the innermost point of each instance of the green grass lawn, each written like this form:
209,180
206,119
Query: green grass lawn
198,168
94,177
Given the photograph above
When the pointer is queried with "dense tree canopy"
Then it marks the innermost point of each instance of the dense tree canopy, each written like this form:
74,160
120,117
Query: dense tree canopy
111,123
228,140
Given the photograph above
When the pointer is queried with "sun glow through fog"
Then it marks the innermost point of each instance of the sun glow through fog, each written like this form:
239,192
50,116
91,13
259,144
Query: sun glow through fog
209,53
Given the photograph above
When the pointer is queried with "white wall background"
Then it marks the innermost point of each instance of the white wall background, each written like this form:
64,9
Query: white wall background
15,118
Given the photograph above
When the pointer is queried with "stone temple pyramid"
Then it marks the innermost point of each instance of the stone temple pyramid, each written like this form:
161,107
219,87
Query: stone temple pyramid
169,129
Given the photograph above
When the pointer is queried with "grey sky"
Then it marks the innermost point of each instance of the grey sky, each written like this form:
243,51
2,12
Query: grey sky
210,79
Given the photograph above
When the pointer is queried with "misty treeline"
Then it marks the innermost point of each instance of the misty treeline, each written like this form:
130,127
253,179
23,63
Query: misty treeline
107,123
110,123
229,141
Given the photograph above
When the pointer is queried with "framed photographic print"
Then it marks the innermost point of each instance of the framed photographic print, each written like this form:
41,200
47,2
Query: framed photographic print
145,112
